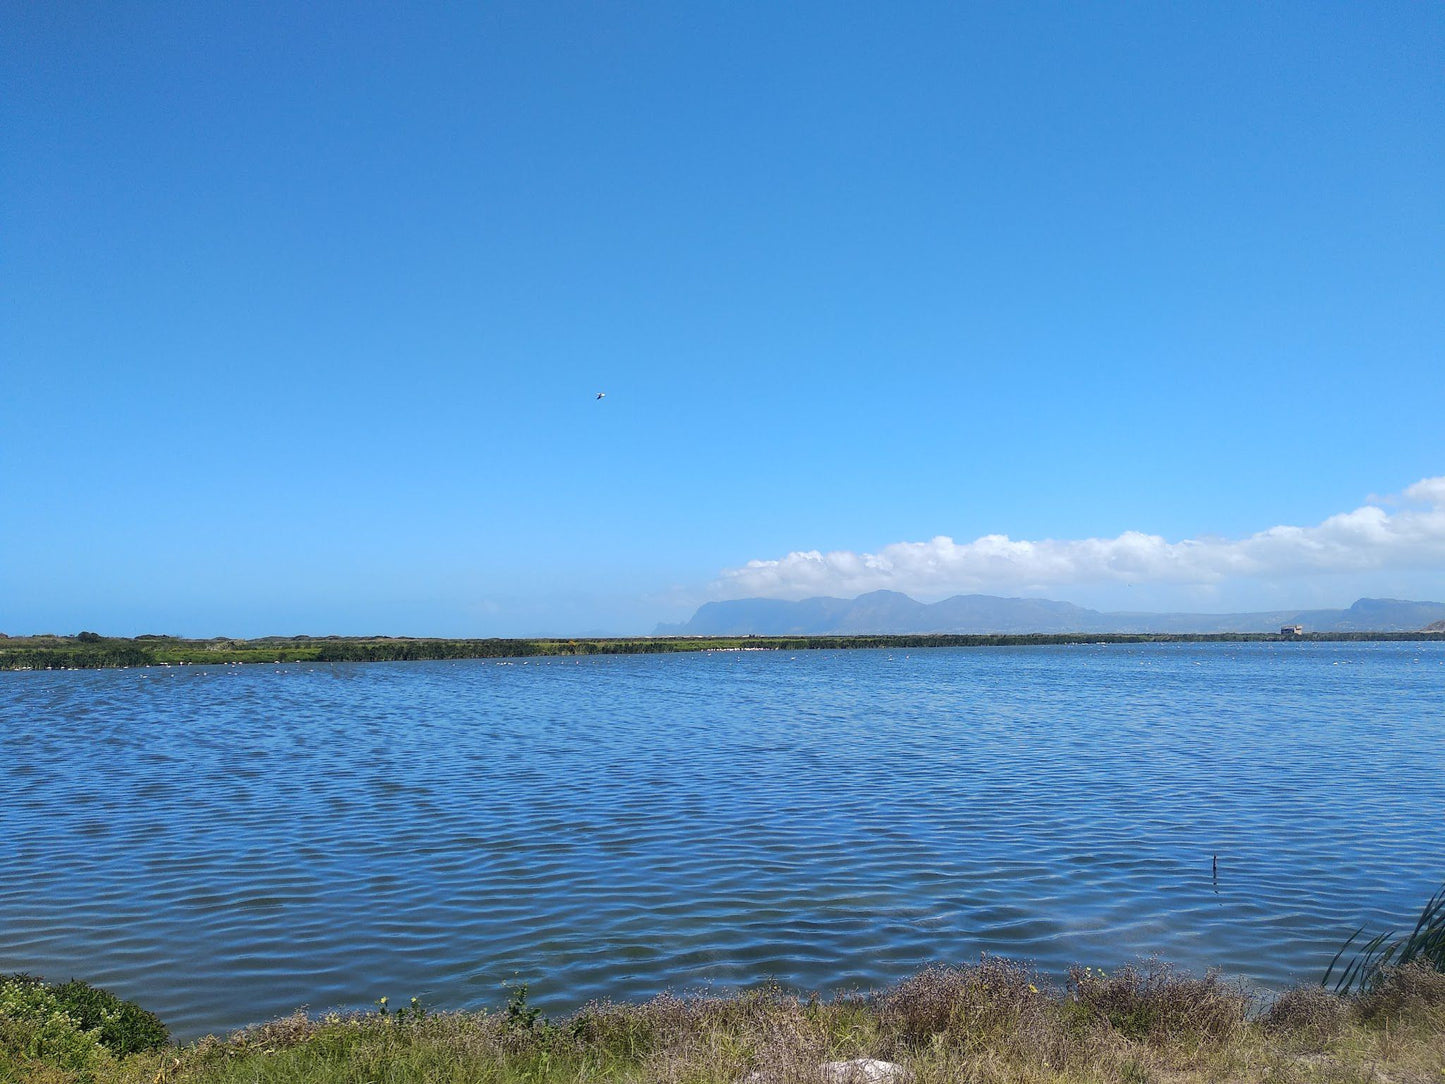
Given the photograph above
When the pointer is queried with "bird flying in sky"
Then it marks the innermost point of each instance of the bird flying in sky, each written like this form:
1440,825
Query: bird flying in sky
602,395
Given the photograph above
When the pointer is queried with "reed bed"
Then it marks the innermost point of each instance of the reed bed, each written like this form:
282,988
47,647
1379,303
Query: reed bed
1383,954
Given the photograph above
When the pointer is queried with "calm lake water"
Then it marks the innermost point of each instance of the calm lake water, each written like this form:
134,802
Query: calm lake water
225,844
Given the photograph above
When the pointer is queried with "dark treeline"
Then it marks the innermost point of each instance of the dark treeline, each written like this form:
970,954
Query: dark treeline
90,651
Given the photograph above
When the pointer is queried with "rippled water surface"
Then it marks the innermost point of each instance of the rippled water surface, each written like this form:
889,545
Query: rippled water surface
224,844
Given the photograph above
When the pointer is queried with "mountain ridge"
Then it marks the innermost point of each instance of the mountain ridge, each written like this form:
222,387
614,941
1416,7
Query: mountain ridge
892,613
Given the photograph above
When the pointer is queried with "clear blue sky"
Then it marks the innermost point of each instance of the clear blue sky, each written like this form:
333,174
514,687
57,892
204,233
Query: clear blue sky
305,306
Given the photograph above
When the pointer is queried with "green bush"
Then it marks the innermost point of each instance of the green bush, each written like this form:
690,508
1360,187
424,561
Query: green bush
124,1026
72,1025
35,1027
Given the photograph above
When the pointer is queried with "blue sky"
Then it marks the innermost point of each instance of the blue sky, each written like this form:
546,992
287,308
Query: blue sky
305,308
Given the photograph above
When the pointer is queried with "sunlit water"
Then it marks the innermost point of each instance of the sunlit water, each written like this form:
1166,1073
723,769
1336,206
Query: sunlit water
224,844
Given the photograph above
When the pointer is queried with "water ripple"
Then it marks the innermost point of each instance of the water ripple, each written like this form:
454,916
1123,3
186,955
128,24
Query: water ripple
226,843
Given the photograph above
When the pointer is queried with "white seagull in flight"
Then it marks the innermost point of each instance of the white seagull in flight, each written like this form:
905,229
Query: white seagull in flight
602,395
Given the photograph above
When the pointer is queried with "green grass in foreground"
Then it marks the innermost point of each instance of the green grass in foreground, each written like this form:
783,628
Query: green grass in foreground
89,651
997,1021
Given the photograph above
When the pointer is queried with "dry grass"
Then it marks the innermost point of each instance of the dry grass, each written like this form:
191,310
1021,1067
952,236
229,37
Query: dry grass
1156,1004
1307,1016
999,1000
1414,989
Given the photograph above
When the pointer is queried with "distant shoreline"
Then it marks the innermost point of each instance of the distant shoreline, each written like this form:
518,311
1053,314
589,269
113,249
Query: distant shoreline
89,651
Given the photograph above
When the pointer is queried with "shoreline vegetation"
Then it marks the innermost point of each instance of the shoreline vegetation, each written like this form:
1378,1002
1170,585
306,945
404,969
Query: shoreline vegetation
998,1020
91,651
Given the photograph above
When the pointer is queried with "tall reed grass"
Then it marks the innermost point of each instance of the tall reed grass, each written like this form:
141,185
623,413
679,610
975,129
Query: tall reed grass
1374,960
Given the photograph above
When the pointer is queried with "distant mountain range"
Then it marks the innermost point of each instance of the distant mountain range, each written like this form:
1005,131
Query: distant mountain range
888,612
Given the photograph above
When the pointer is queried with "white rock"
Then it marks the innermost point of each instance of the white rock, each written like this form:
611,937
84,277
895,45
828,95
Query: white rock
856,1071
862,1071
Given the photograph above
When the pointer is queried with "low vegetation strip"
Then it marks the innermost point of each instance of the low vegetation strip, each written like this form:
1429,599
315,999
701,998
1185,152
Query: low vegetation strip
995,1021
90,651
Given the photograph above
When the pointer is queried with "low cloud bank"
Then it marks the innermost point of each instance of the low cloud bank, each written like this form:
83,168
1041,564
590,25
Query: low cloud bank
1367,539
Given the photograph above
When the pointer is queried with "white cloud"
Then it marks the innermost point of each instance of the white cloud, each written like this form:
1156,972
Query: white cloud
1369,538
1428,491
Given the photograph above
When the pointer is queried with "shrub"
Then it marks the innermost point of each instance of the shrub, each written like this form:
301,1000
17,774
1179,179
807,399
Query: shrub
1154,1002
1404,990
278,1034
633,1030
123,1026
35,1027
962,1002
1308,1013
72,1025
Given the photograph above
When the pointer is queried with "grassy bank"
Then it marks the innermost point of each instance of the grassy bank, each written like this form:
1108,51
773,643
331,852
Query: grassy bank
997,1021
88,651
